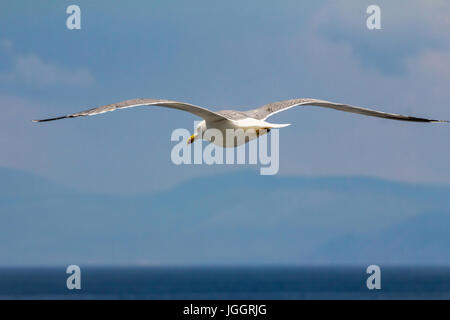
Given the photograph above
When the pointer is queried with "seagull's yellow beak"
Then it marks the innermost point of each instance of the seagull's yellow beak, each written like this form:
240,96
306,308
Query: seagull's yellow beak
191,139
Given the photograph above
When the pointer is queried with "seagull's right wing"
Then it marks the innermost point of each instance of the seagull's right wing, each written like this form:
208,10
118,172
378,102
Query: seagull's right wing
270,109
198,111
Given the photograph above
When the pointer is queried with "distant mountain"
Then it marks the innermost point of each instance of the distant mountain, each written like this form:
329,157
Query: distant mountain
18,184
239,218
420,240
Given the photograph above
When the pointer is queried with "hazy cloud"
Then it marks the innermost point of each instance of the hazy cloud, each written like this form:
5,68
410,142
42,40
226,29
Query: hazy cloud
434,63
323,52
5,44
32,70
338,71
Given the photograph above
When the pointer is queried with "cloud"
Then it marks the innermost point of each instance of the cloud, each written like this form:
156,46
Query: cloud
433,63
32,70
22,144
345,145
327,57
5,44
407,28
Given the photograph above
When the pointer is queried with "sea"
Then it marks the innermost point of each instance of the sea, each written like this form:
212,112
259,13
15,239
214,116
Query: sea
230,283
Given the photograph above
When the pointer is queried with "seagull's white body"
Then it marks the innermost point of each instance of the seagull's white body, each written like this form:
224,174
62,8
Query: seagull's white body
251,123
235,132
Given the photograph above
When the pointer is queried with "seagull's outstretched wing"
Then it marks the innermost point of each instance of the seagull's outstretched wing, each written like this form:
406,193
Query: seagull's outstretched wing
270,109
198,111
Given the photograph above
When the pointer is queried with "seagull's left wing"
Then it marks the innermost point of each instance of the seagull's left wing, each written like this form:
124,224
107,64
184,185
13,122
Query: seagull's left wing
198,111
270,109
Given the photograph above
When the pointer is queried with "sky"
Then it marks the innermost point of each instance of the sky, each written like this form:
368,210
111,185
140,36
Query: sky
227,54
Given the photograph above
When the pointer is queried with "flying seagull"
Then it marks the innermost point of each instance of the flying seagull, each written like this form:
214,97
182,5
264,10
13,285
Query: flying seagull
232,119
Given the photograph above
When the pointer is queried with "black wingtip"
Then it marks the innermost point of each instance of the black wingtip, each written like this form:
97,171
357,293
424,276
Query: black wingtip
51,119
415,119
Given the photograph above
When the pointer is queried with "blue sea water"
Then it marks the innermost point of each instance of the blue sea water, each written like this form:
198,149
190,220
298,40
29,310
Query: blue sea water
225,283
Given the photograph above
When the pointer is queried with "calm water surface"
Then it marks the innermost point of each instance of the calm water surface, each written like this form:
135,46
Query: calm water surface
225,283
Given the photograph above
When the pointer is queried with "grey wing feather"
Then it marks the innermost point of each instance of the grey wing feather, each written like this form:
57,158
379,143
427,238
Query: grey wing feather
198,111
270,109
233,114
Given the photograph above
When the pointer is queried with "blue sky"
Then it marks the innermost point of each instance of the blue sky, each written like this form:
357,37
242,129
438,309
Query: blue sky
222,55
103,190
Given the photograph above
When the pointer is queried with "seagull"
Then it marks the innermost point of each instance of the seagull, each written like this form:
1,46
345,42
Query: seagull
224,120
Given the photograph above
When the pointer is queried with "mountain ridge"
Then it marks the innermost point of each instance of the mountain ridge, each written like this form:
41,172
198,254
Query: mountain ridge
238,218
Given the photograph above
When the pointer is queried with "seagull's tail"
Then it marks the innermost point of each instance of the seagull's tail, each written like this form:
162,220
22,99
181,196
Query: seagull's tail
278,125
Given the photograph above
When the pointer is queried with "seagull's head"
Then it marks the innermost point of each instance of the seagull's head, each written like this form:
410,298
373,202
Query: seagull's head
192,138
199,129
